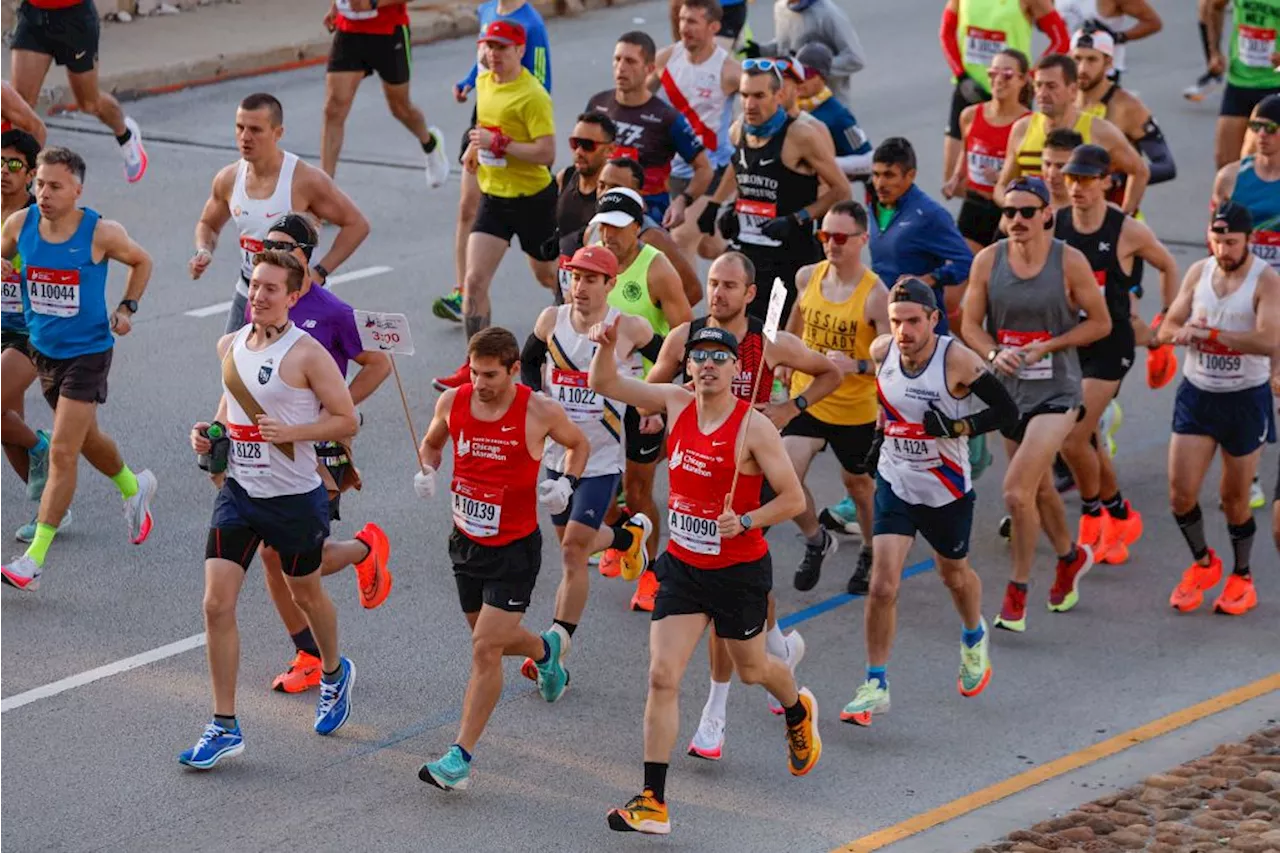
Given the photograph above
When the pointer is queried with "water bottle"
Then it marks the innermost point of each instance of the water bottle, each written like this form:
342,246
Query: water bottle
215,461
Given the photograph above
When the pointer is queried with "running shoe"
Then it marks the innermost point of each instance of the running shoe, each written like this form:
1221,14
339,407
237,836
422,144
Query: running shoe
1013,611
335,700
214,745
21,573
1006,527
869,700
642,813
1065,592
135,156
1063,481
841,517
860,583
1206,84
27,532
708,740
457,379
38,466
137,509
1189,592
635,560
372,575
811,566
1238,597
450,772
646,592
804,744
303,674
975,665
552,676
449,307
1121,533
1090,530
1257,497
610,563
437,160
795,654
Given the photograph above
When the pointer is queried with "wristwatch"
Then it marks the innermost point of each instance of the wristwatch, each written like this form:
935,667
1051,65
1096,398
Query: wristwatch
688,199
745,521
991,356
800,402
321,273
131,304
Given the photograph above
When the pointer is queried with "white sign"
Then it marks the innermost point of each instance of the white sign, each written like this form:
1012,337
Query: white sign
381,332
773,317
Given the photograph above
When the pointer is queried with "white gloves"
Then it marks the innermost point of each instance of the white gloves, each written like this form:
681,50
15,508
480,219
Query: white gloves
424,483
555,494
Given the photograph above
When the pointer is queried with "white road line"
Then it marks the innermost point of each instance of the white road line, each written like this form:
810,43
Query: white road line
9,703
340,278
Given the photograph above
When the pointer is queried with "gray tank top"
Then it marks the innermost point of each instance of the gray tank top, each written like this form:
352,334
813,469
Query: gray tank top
1021,310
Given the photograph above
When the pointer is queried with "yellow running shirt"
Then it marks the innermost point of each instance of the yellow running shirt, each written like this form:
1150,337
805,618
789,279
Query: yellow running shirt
522,110
1029,163
839,327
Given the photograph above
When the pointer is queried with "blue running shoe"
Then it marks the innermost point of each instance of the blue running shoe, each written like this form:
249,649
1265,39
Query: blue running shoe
335,700
38,466
27,532
214,745
451,772
552,676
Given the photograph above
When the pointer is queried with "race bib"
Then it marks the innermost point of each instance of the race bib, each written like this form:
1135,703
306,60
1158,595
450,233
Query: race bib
250,245
1264,244
692,525
1218,363
344,9
1037,370
979,164
580,403
12,299
752,215
981,46
54,293
1254,45
909,445
487,157
477,510
250,454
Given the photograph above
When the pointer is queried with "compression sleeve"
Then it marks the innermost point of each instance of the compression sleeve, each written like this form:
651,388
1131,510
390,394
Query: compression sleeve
855,165
1001,411
532,357
951,44
1055,28
651,349
1153,146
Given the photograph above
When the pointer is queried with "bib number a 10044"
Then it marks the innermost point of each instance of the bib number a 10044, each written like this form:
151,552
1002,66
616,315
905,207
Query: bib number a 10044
54,293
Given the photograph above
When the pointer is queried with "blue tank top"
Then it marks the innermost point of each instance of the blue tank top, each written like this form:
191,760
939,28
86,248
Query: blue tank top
64,293
1262,199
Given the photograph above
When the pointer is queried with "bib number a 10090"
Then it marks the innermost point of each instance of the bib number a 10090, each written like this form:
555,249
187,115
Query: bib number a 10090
250,455
477,510
693,525
54,293
909,445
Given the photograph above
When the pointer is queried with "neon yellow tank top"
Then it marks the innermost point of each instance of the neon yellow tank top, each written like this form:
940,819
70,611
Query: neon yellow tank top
630,294
839,326
987,27
1029,152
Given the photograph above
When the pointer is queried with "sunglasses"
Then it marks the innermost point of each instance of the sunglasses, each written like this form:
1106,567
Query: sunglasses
1006,73
582,143
718,356
284,245
777,66
1028,212
14,164
1086,180
837,238
1261,126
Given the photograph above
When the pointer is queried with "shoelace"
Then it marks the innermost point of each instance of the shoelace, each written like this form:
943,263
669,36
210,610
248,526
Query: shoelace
212,732
640,803
328,696
970,657
798,739
866,693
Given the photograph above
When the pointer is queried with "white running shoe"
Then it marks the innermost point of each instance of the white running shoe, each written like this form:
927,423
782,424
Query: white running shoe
708,740
795,654
137,509
21,573
437,160
135,156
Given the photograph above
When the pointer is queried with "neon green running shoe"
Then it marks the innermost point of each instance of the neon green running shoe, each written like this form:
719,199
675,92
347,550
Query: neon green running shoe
870,699
975,665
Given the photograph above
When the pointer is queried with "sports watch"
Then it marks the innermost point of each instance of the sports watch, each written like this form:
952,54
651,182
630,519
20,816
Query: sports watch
745,521
131,304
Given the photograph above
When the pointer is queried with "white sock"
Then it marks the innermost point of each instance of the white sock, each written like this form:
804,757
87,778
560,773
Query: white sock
716,700
775,643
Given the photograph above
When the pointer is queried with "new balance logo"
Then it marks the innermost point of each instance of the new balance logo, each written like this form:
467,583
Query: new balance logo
309,324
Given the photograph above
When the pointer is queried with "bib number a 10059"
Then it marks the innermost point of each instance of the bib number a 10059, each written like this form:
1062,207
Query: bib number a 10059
580,403
909,445
693,525
477,510
54,293
250,455
1217,363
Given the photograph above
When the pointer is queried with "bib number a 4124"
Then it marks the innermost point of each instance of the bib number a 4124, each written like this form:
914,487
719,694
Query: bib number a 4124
911,446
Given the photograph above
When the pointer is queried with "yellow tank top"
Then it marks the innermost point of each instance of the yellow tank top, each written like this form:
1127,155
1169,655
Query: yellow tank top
839,327
1033,141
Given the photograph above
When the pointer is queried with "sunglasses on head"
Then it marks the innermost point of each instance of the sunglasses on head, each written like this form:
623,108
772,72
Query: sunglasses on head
1006,73
718,356
284,245
584,144
838,238
1081,179
14,164
1027,212
1264,126
777,66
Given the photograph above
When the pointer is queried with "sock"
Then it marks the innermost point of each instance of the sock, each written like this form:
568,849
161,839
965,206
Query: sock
775,643
228,723
126,482
125,137
972,636
546,652
817,540
304,642
1242,544
655,779
1192,527
1116,507
39,548
568,627
473,323
1091,506
1204,41
716,700
332,677
1070,556
430,144
466,756
795,714
1020,587
876,674
623,539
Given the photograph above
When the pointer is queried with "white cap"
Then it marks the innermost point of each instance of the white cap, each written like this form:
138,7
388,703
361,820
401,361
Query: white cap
1099,40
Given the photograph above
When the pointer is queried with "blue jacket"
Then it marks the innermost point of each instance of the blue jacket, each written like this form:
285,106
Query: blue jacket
922,239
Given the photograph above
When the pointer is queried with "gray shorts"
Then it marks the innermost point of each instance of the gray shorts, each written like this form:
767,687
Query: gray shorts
236,314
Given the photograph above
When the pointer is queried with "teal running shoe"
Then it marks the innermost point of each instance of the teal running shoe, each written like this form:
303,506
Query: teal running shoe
451,772
449,307
975,665
552,676
38,466
27,532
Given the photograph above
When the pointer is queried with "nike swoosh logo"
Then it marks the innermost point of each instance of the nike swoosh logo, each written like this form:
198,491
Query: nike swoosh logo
719,443
80,55
766,162
508,428
511,603
752,631
648,451
274,215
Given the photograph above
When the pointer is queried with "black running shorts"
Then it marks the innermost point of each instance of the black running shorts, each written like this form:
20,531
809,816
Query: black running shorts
387,55
501,576
532,218
69,35
735,597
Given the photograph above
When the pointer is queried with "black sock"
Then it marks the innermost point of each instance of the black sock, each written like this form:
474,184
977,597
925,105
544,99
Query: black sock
1070,556
568,627
623,539
331,677
655,779
125,137
228,723
1116,507
796,713
304,642
1090,506
1020,587
430,144
1192,527
1242,544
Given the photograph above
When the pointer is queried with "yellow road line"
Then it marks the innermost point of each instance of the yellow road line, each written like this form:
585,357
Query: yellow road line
1067,763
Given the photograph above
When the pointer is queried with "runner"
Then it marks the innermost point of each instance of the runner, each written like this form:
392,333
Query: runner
776,169
257,189
66,32
716,568
926,383
800,22
1115,246
271,493
498,428
985,127
815,97
371,36
1058,145
1112,17
651,131
733,29
1031,290
1228,313
16,114
578,185
1253,68
841,308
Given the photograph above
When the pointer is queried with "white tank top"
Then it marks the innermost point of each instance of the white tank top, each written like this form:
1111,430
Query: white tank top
920,469
1212,366
261,468
254,216
569,355
696,92
1077,12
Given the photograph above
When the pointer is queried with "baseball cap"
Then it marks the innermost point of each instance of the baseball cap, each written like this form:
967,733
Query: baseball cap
619,207
713,336
1269,107
1231,218
594,259
502,32
300,229
792,67
911,289
1087,161
816,58
1093,39
1032,185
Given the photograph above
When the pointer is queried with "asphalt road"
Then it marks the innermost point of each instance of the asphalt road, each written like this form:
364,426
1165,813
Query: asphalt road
93,768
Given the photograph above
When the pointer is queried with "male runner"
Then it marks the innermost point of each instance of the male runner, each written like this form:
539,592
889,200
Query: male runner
1252,68
1112,17
716,568
281,393
815,97
1058,145
16,114
498,428
651,131
785,175
578,185
370,36
926,383
1254,182
1115,246
66,32
65,251
1023,310
1057,86
1228,313
264,184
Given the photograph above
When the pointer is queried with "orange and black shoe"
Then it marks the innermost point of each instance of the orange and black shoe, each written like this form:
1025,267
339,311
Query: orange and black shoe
646,592
371,572
1189,593
303,674
642,813
635,560
804,744
1238,597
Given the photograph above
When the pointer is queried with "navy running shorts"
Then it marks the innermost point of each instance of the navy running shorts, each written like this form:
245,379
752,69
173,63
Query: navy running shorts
945,528
1239,421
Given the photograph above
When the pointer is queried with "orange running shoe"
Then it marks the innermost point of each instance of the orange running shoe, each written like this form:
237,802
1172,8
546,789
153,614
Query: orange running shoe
1239,596
1121,533
371,572
1189,592
642,813
611,563
303,674
1090,530
646,592
804,744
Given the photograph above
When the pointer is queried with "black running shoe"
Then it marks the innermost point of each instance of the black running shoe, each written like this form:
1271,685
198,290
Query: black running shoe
860,583
811,566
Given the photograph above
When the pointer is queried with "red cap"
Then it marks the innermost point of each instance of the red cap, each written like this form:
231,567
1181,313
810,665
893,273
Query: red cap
502,32
594,259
